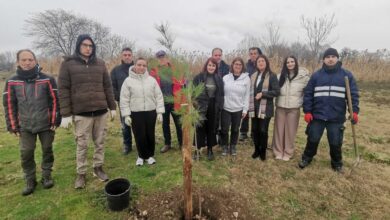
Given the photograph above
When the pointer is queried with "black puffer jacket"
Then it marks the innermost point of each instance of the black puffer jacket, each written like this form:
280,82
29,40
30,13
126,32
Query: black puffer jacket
118,76
202,100
31,102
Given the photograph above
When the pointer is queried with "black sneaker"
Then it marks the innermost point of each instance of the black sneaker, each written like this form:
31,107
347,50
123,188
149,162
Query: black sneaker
126,150
338,169
166,148
303,163
210,154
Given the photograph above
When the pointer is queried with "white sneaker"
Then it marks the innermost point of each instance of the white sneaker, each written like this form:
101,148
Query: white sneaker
151,160
139,161
278,157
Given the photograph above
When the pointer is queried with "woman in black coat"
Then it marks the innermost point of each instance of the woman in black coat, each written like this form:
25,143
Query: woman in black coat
264,88
209,104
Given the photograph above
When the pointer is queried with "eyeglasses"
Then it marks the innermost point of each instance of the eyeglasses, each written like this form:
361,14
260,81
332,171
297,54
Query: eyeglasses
87,45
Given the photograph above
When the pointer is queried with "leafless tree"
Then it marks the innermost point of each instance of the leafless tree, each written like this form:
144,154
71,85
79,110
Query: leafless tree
167,37
7,60
318,30
272,40
114,45
55,33
247,42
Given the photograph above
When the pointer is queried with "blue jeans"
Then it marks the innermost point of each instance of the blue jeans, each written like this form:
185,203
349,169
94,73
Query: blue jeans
335,135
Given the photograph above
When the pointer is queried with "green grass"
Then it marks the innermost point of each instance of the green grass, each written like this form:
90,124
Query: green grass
274,189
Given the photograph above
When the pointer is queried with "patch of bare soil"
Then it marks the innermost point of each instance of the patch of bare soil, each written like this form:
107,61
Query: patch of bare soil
214,204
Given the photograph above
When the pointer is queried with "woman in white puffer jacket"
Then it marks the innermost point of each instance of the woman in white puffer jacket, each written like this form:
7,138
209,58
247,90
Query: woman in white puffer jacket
292,81
141,103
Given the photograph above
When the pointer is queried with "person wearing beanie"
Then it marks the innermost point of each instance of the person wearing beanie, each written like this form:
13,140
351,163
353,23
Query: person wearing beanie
324,105
118,76
171,86
85,95
31,110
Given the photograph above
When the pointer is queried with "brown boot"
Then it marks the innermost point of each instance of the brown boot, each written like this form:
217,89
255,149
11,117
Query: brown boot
165,148
80,181
100,174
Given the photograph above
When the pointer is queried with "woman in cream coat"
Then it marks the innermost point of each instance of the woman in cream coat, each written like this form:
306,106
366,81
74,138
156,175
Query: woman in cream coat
141,103
292,81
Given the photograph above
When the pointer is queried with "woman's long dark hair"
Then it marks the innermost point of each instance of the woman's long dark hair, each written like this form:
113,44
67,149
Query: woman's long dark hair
267,68
212,60
286,73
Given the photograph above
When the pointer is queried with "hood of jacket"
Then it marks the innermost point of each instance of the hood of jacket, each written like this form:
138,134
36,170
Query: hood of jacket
134,75
77,54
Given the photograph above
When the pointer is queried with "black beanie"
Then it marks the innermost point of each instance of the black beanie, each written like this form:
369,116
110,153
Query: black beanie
331,51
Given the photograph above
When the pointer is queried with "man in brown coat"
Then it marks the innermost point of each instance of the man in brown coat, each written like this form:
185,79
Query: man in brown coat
85,95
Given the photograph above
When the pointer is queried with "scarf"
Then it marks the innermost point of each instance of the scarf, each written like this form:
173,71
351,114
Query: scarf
263,102
28,74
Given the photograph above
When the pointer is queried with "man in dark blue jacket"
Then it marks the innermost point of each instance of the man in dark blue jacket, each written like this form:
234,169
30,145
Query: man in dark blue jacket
31,110
324,105
118,76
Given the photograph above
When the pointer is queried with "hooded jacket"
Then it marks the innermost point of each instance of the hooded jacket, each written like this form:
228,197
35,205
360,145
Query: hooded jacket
291,93
139,93
236,92
84,86
325,94
31,103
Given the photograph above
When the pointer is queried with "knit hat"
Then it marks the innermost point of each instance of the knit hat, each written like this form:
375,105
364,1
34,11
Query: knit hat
160,54
330,51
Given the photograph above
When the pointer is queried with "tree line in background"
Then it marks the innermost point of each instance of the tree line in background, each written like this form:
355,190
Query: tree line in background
55,33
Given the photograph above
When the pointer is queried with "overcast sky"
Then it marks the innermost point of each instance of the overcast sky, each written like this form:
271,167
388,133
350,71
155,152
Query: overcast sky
205,24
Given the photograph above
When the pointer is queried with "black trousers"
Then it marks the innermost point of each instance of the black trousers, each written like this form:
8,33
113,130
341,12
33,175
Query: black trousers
169,110
206,132
230,120
27,148
244,125
335,135
143,125
260,134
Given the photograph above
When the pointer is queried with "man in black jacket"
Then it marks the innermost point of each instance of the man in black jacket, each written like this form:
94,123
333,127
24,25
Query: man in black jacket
223,68
118,76
31,109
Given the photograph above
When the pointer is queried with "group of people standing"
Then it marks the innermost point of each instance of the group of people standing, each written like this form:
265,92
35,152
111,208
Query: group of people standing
231,97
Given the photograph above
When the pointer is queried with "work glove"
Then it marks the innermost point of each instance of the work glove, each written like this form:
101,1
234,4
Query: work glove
112,114
251,114
159,117
128,120
355,118
66,122
308,117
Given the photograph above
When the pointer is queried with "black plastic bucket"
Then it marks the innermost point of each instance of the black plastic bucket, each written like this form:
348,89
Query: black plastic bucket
118,194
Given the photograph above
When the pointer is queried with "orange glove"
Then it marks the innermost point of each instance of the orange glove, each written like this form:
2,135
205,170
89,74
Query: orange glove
308,117
355,118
